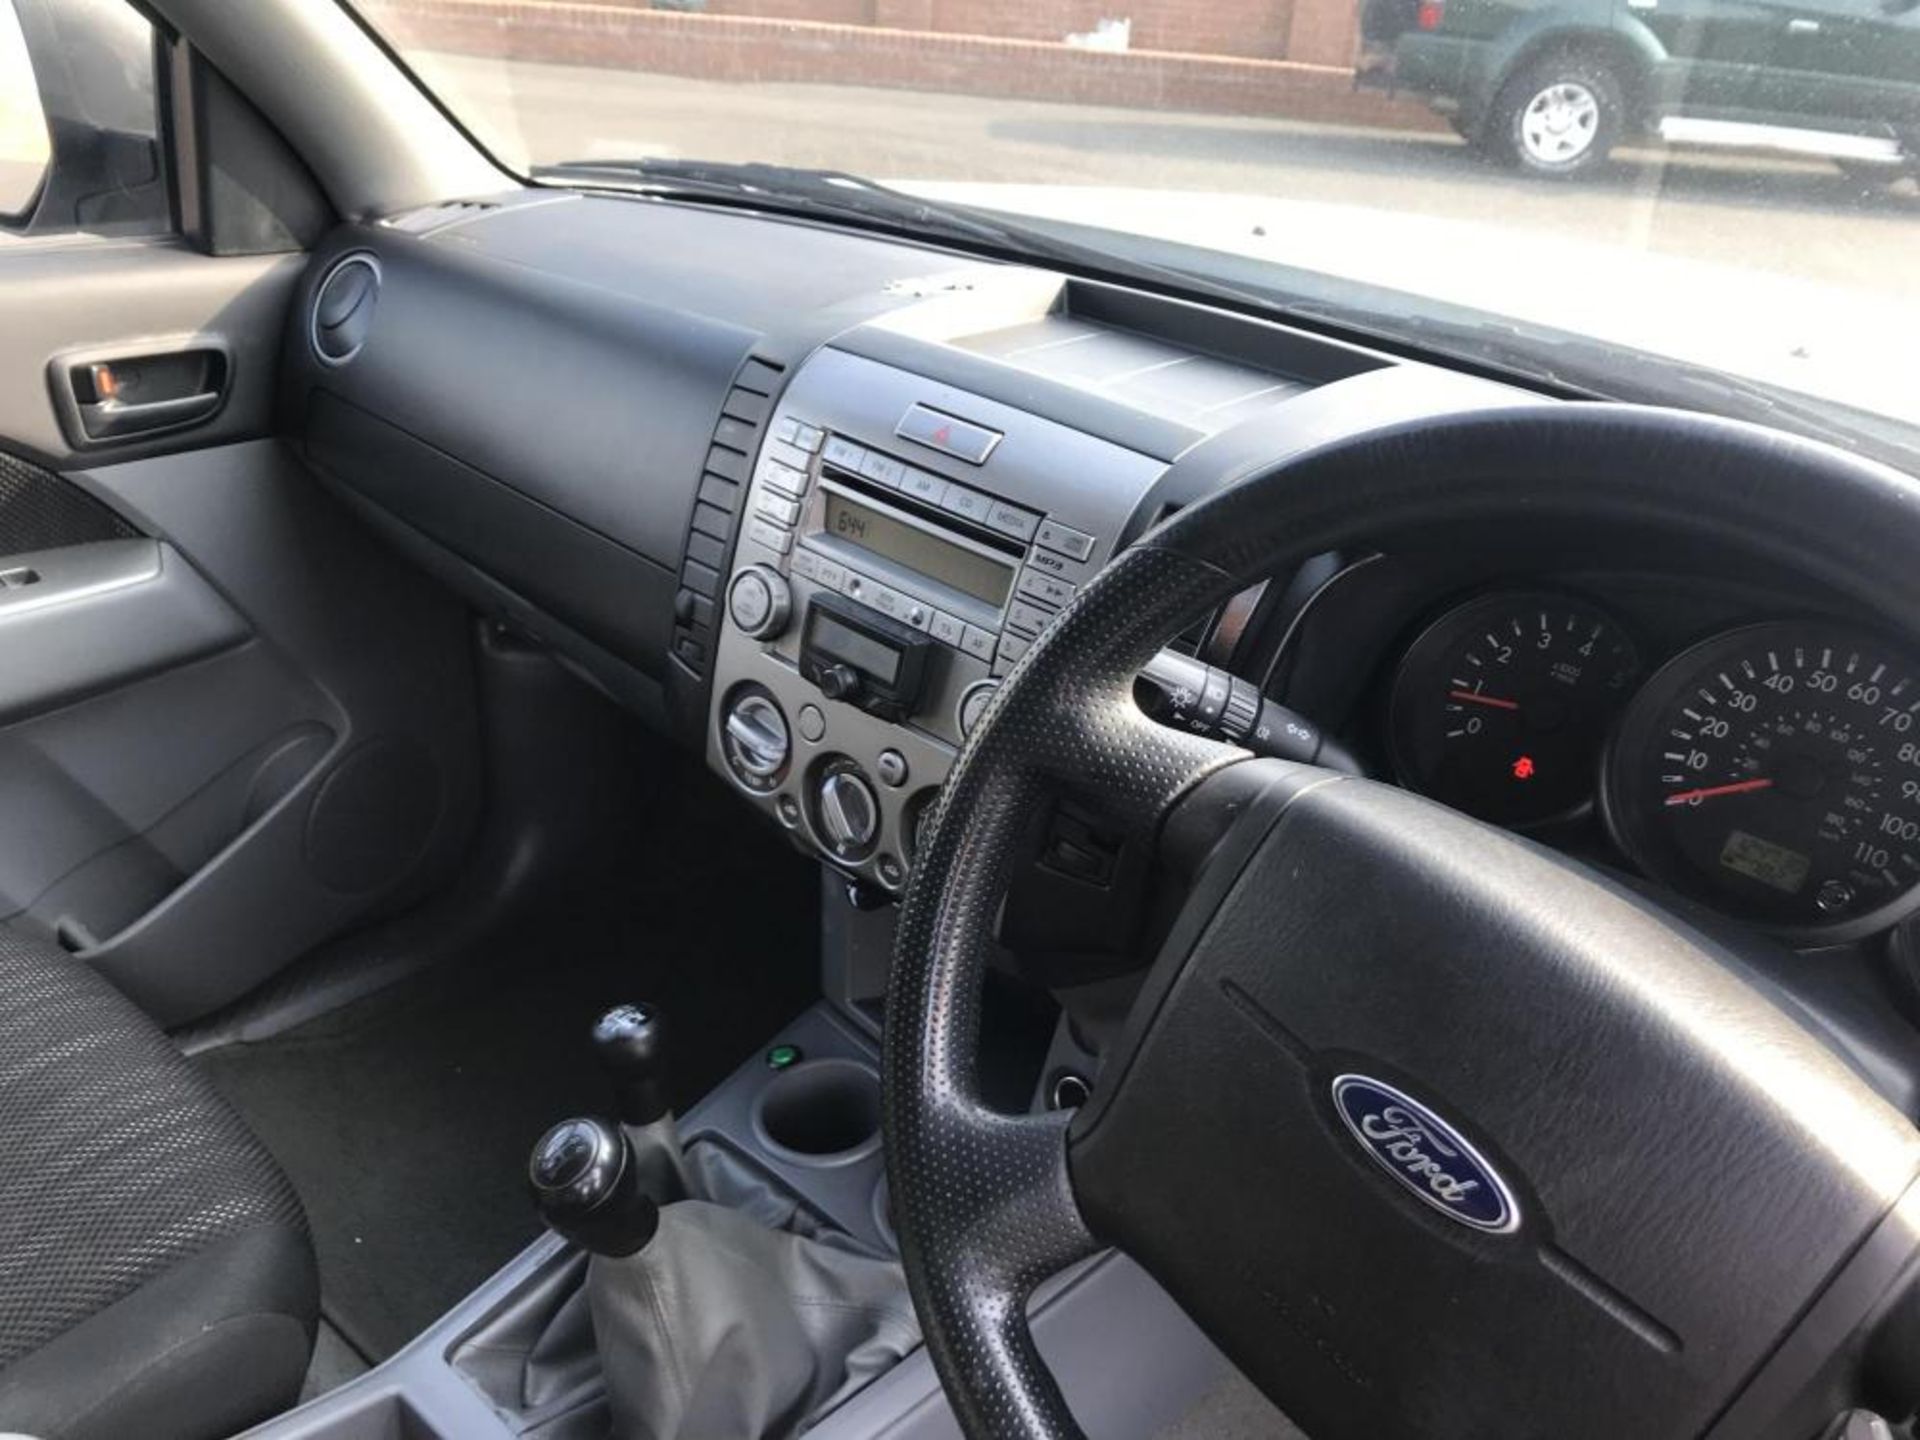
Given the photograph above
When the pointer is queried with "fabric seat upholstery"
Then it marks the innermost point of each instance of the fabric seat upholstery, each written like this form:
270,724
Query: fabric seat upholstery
156,1274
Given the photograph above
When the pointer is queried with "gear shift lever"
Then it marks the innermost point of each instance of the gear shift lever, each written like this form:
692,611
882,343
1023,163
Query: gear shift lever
631,1044
707,1322
588,1189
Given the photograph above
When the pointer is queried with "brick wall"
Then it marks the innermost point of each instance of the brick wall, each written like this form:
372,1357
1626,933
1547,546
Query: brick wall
830,12
867,51
1315,32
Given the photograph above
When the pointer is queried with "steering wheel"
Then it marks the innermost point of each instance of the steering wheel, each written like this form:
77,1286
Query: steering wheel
1432,1131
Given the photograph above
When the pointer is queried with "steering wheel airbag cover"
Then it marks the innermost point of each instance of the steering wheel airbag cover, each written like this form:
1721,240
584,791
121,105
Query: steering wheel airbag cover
1571,1130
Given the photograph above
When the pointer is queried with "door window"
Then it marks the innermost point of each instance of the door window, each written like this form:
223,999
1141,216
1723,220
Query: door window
23,125
79,121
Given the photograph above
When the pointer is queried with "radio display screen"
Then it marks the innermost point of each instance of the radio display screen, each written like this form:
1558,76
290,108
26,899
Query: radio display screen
839,641
967,571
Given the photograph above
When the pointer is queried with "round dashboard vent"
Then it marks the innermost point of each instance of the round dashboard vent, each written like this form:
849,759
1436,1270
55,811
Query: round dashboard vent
343,309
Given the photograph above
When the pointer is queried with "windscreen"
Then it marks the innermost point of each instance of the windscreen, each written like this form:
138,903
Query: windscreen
1729,187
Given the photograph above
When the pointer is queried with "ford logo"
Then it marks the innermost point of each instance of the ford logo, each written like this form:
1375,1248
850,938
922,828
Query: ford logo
1425,1154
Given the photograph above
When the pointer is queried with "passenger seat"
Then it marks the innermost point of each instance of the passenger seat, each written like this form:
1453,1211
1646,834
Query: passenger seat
156,1274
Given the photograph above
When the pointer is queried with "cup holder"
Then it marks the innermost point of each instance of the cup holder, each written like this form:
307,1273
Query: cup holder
821,1112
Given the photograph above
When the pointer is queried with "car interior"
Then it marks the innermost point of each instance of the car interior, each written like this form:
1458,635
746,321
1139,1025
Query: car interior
630,812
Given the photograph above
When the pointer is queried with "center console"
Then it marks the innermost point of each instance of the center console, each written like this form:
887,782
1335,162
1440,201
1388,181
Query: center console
906,541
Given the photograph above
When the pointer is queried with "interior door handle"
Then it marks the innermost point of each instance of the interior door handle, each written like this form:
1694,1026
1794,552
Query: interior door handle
141,388
114,419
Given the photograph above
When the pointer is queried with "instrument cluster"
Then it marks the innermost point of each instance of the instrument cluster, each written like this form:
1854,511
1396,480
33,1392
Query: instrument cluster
1770,770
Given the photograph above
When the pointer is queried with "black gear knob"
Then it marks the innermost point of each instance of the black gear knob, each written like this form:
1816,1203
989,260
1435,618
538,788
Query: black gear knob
587,1187
631,1041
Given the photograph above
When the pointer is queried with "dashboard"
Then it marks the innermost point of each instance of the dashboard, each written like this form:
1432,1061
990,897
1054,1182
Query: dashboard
805,518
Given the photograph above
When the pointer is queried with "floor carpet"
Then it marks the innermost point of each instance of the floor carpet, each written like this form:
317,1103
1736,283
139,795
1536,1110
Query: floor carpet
404,1119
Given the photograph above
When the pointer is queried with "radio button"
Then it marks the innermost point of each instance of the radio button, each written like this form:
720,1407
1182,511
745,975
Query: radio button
1052,535
922,486
967,504
844,454
977,642
787,454
806,564
948,629
1012,520
777,508
883,469
1026,618
1048,561
807,437
898,605
1048,589
783,479
763,532
830,575
1012,647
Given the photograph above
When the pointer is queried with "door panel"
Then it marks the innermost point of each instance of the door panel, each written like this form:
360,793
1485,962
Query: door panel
355,699
1715,50
1851,64
232,722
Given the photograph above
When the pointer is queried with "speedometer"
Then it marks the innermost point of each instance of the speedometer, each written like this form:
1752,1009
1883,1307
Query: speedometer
1774,772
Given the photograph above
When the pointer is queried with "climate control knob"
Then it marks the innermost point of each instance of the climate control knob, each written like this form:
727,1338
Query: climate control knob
756,741
759,601
848,811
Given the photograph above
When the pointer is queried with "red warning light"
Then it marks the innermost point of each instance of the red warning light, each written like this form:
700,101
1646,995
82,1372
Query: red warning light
1523,768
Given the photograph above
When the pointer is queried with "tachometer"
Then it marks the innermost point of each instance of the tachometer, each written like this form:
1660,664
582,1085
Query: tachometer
1774,772
1501,706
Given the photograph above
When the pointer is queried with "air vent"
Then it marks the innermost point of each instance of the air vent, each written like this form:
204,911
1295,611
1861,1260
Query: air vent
716,511
343,309
431,218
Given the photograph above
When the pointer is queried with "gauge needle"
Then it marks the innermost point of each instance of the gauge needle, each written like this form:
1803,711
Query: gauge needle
1474,697
1739,787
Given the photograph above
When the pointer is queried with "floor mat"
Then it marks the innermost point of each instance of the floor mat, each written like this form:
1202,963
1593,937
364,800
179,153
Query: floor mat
405,1119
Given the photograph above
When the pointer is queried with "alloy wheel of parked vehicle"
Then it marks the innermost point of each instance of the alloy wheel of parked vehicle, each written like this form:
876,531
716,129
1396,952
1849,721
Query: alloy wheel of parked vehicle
1558,117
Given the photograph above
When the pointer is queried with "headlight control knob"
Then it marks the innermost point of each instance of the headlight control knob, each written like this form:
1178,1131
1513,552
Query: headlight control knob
759,602
849,813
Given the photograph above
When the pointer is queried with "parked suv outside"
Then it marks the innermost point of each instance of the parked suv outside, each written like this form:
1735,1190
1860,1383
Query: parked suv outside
1551,86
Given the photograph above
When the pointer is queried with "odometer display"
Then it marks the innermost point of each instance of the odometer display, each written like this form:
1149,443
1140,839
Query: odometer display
1774,772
